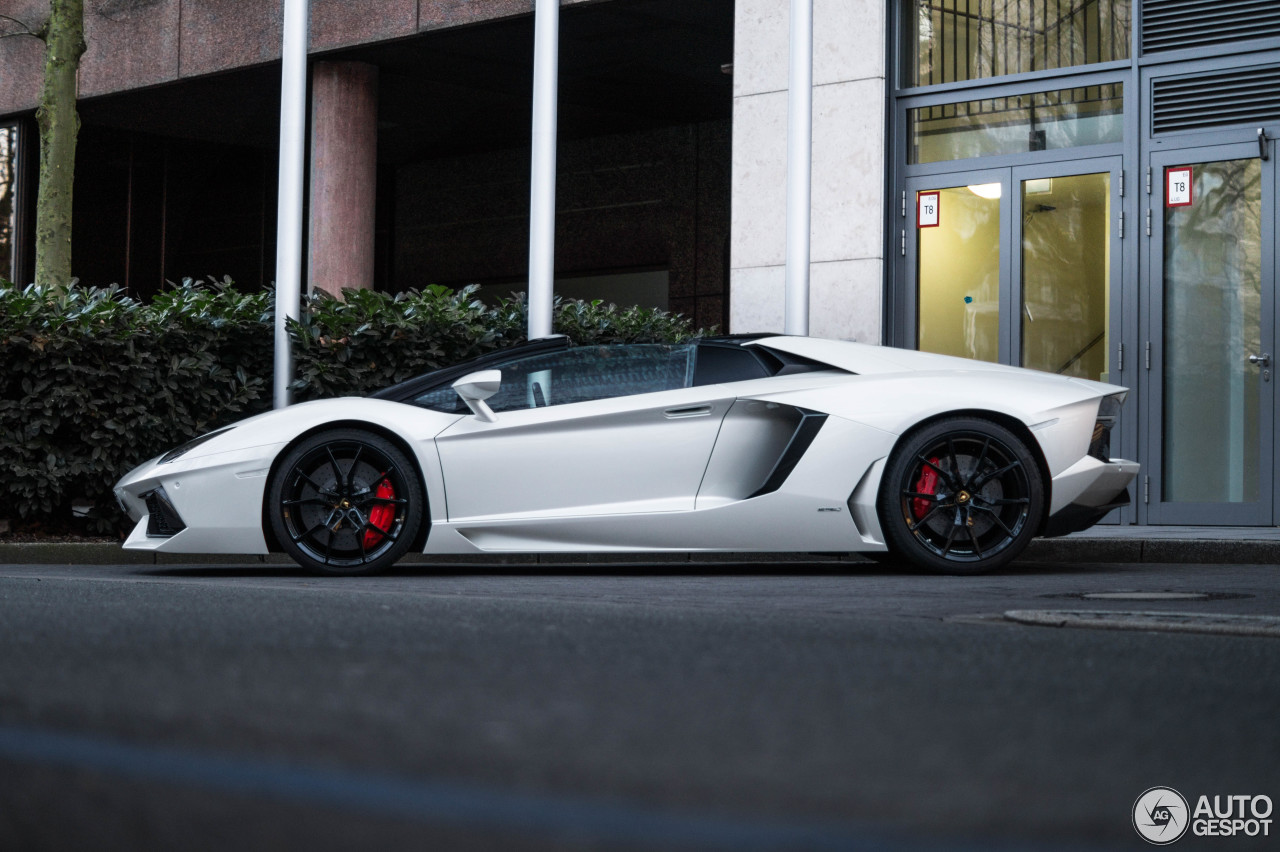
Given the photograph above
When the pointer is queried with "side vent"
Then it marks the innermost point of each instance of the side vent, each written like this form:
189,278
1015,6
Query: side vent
806,430
1177,24
1224,98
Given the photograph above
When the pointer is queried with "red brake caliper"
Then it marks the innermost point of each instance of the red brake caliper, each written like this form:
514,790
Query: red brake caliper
927,484
380,515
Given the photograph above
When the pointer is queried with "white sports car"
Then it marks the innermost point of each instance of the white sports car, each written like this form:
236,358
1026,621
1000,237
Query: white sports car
743,443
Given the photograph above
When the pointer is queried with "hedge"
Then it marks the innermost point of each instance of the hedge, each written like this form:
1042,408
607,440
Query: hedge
93,382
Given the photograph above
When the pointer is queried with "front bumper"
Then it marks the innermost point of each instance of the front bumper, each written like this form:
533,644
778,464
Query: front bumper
1085,492
217,499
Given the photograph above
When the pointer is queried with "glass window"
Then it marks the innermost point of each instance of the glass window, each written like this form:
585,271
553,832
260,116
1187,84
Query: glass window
8,199
719,364
1066,274
959,274
1213,265
1014,124
578,375
948,41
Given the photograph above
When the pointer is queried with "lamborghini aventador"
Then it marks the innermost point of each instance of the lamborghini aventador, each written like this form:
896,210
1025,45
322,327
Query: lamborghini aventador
745,443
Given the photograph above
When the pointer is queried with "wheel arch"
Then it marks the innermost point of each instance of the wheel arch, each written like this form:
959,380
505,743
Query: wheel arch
419,541
1013,424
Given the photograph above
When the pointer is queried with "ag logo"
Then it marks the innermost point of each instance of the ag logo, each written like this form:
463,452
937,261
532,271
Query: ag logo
1160,815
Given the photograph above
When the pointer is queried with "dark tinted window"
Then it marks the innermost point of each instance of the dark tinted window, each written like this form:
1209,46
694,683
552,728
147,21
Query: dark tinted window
718,364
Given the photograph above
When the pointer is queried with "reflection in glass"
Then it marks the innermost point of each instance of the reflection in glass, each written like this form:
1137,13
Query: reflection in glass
1043,121
8,193
947,41
1066,274
1212,323
959,269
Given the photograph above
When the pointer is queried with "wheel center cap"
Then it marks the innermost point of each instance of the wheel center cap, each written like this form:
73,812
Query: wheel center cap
963,497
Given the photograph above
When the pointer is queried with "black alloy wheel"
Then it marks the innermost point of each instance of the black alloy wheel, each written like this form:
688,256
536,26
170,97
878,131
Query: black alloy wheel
961,496
346,502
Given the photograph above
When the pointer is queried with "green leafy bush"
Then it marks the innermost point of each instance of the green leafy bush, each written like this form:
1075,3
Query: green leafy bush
93,381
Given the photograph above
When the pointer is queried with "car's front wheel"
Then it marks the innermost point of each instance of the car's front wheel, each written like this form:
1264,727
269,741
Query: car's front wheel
961,496
345,501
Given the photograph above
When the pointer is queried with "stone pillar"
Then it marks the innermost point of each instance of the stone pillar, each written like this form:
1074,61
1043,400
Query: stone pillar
344,162
846,270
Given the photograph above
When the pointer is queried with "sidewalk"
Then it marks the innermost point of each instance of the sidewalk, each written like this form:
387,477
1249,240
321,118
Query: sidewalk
1215,545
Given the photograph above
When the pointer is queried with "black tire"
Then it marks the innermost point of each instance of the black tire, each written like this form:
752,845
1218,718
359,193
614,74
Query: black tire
961,496
346,502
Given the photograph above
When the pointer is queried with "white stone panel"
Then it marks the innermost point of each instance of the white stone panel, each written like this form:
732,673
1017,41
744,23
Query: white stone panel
756,303
848,171
759,191
848,40
846,300
761,33
848,43
847,269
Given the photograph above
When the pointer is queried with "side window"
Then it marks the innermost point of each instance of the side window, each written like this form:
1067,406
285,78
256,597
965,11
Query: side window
592,372
578,375
444,399
720,364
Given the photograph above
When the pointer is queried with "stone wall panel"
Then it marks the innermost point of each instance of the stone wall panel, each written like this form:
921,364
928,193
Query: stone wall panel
340,23
218,35
21,58
130,44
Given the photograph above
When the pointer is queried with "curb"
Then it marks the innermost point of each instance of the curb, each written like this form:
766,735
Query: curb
1094,549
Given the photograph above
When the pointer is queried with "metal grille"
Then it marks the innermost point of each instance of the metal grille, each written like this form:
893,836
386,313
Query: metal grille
163,519
1174,24
1222,99
954,40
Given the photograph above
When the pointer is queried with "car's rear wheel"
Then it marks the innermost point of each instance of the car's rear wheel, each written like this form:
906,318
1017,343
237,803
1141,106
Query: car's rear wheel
961,496
346,502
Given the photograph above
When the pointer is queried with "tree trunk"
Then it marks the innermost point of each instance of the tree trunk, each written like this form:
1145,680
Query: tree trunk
59,124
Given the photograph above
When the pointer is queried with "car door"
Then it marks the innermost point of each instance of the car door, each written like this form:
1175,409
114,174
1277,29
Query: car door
593,430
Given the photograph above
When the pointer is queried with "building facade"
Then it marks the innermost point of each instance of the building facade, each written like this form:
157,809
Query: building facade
1086,187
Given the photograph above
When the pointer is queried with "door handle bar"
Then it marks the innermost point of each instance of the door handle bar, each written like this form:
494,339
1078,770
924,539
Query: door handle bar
687,411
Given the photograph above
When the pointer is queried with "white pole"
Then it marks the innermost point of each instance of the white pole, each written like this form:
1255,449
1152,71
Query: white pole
799,166
293,153
542,194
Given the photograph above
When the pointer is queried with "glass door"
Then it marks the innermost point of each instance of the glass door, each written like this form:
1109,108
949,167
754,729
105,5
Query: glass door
1211,326
1067,229
957,251
1021,266
1017,265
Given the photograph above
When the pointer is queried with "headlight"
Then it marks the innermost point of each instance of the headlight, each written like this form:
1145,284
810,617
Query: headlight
190,445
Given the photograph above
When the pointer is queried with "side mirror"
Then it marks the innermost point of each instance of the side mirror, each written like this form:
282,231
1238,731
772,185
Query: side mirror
475,388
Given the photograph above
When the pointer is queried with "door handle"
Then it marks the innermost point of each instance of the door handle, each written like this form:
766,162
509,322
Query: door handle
687,411
1263,360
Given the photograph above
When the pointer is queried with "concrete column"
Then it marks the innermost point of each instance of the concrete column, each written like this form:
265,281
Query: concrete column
344,162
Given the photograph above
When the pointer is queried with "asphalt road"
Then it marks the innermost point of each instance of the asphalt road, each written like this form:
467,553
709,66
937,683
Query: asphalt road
838,706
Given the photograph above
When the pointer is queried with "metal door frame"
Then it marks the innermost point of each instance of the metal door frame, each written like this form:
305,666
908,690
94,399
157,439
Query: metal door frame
1153,509
1074,168
911,246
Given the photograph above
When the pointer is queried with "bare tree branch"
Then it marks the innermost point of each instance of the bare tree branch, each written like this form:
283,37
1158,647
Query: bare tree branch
26,30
